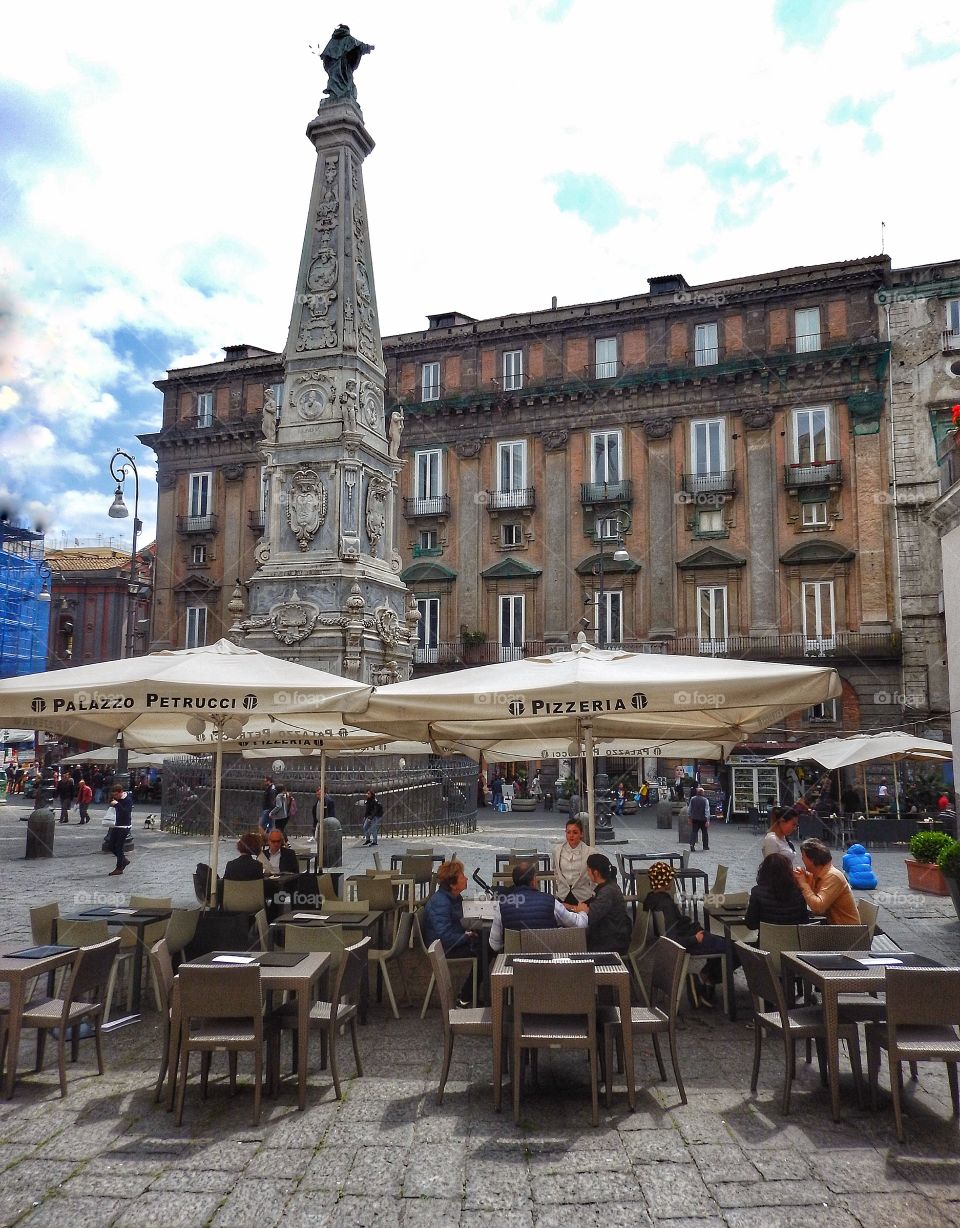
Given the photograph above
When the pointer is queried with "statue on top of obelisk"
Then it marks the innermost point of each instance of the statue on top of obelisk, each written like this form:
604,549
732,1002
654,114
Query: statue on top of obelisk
340,58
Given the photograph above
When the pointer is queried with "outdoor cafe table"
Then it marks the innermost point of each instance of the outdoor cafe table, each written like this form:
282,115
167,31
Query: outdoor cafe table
136,919
616,974
850,973
633,861
363,922
276,975
18,973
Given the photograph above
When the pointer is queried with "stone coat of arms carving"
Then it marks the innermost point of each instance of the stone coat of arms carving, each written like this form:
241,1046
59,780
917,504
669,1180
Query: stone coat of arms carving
376,518
306,506
293,620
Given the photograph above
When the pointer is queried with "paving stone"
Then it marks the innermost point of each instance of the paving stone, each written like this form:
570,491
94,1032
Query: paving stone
723,1162
275,1162
167,1210
309,1209
890,1210
58,1212
673,1190
572,1160
377,1171
519,1217
781,1165
352,1212
768,1194
791,1217
656,1146
435,1172
430,1212
254,1204
583,1188
195,1180
328,1169
92,1183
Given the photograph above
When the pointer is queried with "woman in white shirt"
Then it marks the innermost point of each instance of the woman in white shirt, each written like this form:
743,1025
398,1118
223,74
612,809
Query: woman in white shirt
783,824
574,884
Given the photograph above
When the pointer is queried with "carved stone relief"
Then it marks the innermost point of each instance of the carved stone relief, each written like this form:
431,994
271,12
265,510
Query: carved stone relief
306,506
553,441
371,408
387,625
261,552
758,418
394,431
348,402
232,473
313,396
376,519
658,428
293,620
468,448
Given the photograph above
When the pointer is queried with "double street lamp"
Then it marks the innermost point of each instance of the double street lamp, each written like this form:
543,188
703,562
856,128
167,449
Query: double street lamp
118,511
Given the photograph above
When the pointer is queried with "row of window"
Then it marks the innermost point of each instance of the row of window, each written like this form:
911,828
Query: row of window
818,613
606,361
204,404
812,443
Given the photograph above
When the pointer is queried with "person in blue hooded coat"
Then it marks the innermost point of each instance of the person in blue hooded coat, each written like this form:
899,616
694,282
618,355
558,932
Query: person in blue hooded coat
858,867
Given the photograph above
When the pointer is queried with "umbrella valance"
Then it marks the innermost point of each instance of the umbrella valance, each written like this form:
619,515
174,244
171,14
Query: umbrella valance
835,753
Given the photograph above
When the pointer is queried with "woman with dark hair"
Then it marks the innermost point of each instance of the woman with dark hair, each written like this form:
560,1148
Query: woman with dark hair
573,883
783,823
608,923
776,898
247,866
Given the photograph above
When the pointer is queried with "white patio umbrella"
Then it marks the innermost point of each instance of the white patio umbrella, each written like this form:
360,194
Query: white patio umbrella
197,699
588,692
833,753
109,755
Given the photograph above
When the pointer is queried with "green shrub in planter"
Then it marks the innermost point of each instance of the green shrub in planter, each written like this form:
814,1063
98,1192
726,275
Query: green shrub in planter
949,859
926,846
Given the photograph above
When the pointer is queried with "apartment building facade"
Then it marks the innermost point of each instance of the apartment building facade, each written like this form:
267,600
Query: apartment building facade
698,469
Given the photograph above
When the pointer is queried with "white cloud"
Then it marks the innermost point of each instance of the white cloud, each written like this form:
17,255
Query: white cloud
163,186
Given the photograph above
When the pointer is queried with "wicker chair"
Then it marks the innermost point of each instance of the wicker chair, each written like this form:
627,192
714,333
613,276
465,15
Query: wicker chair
327,886
329,1016
559,939
91,975
778,938
793,1024
42,918
923,1015
666,981
467,962
243,895
383,956
554,1006
93,932
869,912
834,937
161,966
638,950
181,928
228,1006
457,1021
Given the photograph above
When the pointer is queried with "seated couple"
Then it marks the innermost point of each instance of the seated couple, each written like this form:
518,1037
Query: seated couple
261,858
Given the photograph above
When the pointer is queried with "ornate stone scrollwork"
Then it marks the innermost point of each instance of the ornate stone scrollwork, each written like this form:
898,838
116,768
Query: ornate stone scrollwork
658,428
758,418
371,407
553,441
467,448
232,473
306,506
387,625
261,552
293,620
366,316
396,562
376,518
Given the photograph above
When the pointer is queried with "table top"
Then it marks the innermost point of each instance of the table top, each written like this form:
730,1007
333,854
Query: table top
11,967
856,978
502,969
273,976
349,920
121,914
485,909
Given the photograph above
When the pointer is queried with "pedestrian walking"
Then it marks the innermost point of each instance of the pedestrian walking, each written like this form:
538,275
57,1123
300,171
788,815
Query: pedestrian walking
698,809
267,802
122,803
372,814
84,798
66,791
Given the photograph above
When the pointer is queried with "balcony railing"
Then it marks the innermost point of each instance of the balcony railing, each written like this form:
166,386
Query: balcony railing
437,505
501,500
605,492
705,356
806,343
843,645
951,341
605,370
427,552
197,524
817,473
948,462
722,482
255,518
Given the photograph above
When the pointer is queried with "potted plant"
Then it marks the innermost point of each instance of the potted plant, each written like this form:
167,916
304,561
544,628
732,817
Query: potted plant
923,872
949,863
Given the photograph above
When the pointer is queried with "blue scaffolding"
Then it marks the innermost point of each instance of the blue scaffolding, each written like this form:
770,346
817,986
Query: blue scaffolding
24,618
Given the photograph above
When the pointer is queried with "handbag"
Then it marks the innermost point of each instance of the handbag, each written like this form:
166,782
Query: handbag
109,817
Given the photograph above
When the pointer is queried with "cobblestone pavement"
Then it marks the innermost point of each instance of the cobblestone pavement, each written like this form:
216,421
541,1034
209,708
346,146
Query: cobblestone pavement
388,1154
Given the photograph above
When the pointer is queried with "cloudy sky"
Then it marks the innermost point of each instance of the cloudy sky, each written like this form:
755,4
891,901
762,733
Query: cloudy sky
154,178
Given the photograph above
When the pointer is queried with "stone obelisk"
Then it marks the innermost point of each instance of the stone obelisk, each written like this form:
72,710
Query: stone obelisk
327,590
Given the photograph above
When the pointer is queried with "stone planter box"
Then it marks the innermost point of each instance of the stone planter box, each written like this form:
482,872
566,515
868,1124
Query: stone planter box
953,887
523,803
926,876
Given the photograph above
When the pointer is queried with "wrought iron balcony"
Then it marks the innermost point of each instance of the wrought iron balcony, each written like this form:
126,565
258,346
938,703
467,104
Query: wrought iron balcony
592,493
255,518
795,646
427,552
721,482
437,505
197,524
507,500
951,341
816,473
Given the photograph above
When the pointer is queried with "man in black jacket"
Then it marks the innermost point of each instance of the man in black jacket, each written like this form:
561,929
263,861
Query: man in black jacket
278,857
66,791
608,923
122,803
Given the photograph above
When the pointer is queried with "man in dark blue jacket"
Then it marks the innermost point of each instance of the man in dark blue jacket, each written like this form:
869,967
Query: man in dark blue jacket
122,802
526,907
443,919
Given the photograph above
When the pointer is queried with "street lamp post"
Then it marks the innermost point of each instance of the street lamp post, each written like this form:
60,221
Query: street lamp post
118,511
624,521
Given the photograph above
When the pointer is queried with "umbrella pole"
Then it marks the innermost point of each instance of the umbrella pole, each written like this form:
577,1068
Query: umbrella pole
588,769
323,809
896,789
215,825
